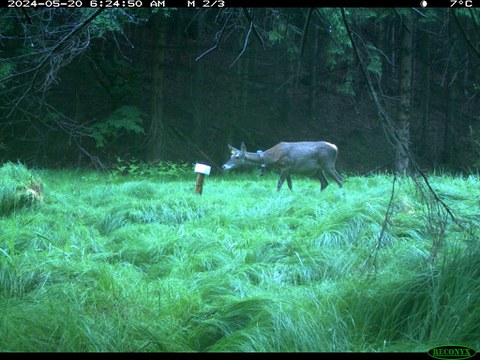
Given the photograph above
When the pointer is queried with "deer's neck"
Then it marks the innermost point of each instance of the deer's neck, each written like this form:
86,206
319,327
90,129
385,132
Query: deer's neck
255,158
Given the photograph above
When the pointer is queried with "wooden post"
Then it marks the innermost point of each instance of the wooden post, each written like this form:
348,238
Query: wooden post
199,184
201,171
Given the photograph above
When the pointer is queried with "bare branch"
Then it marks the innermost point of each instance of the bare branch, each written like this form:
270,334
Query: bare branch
54,62
217,45
255,31
245,43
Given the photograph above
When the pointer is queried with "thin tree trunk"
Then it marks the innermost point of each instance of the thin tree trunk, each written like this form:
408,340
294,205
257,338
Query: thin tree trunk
404,106
448,136
157,126
312,90
286,95
244,80
241,93
447,154
197,85
426,94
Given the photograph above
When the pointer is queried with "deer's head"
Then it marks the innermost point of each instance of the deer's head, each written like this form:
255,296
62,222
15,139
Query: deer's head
237,158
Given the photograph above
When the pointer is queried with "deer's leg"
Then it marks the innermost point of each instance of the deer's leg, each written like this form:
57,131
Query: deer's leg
280,182
323,180
283,175
338,179
289,182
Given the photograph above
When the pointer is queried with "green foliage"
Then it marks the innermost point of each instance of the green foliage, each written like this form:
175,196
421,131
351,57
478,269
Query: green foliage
163,169
115,19
106,22
374,64
339,50
141,265
19,187
6,68
347,86
284,32
275,36
123,120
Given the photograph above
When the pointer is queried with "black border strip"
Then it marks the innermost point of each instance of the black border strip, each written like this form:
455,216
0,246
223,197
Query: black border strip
219,4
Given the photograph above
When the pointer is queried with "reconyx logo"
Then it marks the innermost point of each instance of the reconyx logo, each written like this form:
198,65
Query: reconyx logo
456,352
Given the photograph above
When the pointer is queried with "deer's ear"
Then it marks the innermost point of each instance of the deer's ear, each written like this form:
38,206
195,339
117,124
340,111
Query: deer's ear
243,147
232,149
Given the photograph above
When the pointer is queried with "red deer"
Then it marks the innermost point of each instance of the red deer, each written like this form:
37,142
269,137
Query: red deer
310,158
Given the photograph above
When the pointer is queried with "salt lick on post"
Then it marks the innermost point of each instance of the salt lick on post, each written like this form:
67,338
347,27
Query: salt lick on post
201,171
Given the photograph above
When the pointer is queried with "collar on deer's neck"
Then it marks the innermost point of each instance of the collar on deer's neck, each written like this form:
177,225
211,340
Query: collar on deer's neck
262,162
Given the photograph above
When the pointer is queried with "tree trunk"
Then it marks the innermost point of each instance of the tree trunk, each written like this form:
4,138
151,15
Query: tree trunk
403,119
244,88
286,93
447,153
312,89
157,126
426,95
197,84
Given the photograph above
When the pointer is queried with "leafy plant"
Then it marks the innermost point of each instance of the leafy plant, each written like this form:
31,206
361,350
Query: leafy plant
124,119
134,167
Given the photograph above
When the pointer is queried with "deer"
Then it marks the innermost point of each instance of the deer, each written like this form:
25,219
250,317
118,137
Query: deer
309,158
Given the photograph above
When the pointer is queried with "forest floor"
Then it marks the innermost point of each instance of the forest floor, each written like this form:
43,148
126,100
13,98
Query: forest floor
112,263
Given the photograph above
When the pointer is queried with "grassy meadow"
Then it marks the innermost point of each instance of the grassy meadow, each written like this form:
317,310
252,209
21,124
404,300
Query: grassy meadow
140,263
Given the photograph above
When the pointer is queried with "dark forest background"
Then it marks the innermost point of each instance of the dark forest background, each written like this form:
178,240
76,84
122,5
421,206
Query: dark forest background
87,87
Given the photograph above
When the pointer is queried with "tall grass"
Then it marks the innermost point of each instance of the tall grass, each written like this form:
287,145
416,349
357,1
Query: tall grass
19,187
126,263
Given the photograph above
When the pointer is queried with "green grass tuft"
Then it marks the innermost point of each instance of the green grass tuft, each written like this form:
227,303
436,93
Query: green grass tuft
19,187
